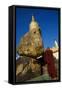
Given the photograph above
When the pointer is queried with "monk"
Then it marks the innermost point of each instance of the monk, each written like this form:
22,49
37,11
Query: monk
49,60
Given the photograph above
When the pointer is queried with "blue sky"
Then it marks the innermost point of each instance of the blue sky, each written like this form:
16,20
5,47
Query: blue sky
47,20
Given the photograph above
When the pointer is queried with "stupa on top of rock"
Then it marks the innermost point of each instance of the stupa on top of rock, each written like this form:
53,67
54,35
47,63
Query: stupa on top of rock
31,43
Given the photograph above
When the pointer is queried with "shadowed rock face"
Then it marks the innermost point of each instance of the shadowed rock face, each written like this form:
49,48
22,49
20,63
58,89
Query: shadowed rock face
27,68
31,43
27,63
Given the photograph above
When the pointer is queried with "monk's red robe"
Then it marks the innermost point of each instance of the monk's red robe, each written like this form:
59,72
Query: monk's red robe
49,60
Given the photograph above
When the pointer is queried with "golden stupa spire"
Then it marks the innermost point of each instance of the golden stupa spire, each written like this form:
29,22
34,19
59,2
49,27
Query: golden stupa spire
33,24
33,19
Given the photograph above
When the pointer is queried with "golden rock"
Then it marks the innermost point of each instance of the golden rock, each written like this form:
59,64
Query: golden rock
31,43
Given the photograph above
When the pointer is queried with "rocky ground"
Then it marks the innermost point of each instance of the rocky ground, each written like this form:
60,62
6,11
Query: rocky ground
27,69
